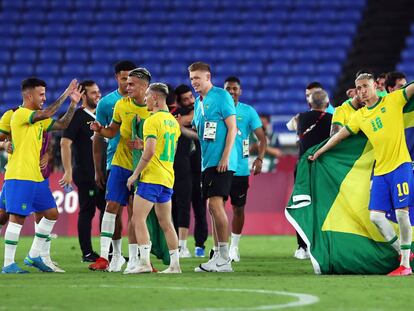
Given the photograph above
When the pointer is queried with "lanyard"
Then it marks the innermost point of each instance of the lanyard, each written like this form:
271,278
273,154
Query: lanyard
310,128
89,113
202,107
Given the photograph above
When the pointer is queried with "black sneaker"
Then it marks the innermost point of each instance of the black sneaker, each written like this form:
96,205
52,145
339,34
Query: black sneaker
91,257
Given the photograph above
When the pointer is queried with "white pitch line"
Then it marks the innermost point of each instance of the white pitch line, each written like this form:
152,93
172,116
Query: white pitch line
303,299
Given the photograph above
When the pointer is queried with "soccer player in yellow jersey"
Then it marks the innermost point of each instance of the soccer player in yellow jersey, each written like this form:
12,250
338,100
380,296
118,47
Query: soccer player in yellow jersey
6,144
344,113
161,132
381,120
117,193
26,189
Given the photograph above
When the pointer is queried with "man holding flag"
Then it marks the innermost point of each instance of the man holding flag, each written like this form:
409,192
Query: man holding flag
382,121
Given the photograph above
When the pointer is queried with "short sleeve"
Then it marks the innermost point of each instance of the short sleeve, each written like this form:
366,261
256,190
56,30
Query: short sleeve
354,125
338,116
150,129
227,108
255,121
47,124
398,97
116,118
101,115
23,116
5,122
72,130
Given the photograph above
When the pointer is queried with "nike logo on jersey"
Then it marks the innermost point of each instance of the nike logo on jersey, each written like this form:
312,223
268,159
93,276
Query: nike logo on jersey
402,200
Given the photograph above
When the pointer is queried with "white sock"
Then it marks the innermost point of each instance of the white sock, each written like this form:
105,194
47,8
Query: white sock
11,238
223,250
45,252
403,219
235,238
44,227
117,247
174,258
144,254
107,231
386,229
182,244
133,250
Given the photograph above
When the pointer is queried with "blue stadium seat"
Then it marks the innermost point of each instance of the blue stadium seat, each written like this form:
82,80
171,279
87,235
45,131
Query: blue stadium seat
5,56
73,69
77,55
12,98
98,69
21,69
24,56
275,47
51,55
47,69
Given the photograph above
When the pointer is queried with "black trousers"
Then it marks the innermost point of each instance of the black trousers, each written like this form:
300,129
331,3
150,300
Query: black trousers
187,193
90,198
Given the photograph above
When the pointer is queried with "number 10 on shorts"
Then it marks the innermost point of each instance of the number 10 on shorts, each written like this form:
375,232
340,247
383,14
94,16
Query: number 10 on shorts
403,189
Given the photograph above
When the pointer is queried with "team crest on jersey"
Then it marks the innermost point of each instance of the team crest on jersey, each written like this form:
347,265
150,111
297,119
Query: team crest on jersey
383,110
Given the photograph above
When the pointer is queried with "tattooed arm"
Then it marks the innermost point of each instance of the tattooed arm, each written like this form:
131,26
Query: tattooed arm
53,108
64,121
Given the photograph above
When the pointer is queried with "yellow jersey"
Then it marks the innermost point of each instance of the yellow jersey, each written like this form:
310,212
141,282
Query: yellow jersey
343,113
27,139
165,129
5,122
125,111
383,124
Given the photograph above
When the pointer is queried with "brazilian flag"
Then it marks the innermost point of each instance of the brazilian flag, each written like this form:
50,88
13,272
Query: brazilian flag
329,208
159,246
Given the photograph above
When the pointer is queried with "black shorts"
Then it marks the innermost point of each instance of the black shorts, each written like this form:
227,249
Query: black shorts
238,191
216,184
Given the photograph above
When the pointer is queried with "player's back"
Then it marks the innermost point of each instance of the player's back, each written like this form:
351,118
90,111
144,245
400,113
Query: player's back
165,129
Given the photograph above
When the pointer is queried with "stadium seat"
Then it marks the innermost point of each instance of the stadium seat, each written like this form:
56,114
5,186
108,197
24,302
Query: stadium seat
275,47
47,69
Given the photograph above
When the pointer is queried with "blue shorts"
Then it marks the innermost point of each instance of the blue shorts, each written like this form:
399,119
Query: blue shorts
24,197
3,197
393,190
154,193
116,186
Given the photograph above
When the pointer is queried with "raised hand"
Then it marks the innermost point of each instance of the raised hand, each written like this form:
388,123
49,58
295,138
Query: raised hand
71,87
76,95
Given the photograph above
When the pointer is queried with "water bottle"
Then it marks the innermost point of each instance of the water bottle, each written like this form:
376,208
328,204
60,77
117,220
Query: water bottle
67,188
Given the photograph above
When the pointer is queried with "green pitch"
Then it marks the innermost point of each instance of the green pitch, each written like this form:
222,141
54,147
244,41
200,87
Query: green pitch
267,278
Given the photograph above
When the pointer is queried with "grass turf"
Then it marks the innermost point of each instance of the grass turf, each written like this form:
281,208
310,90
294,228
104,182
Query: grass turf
264,277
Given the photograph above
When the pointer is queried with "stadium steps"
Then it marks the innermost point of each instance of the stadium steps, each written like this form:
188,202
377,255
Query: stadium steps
383,27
